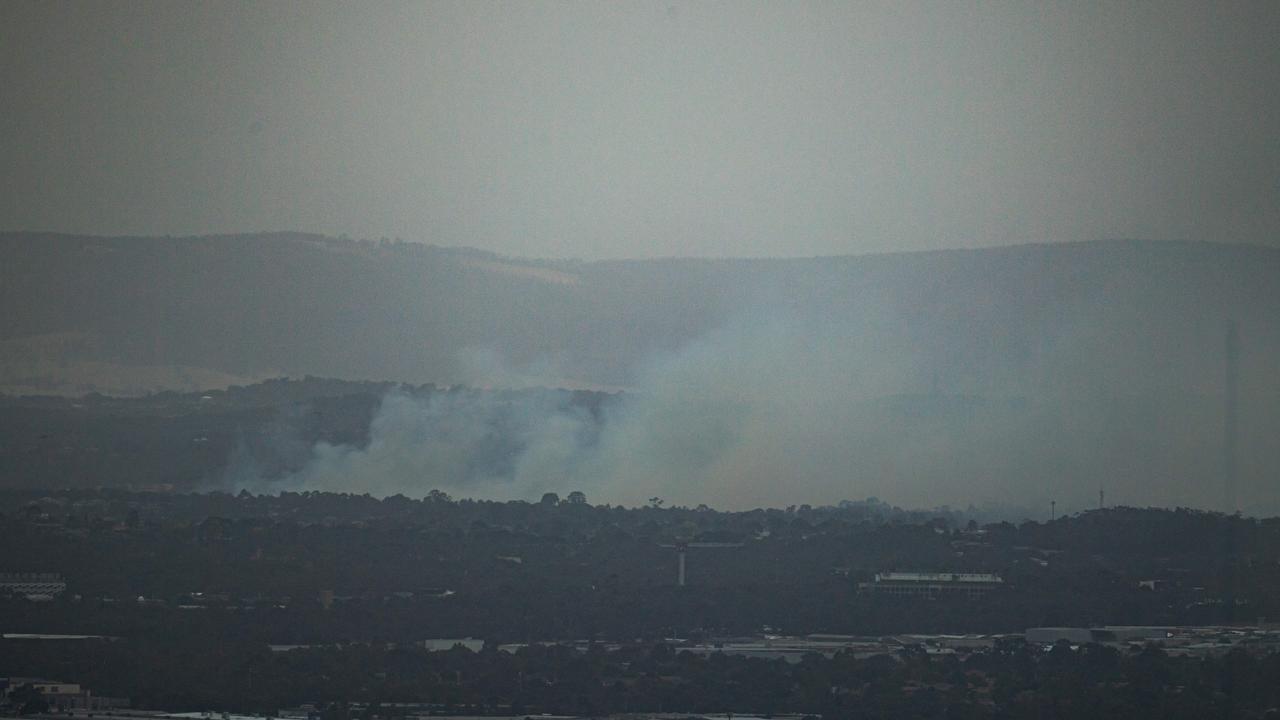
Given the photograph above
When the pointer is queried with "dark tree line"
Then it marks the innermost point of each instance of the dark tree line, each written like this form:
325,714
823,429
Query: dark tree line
257,566
1013,680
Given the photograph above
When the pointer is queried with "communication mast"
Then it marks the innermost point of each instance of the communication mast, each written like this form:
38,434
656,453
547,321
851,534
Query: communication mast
1230,389
682,548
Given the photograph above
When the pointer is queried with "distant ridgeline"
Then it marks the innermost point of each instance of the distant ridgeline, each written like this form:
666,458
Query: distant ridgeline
184,441
139,314
977,374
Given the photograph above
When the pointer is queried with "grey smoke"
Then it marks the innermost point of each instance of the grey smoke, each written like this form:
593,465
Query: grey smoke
474,444
776,408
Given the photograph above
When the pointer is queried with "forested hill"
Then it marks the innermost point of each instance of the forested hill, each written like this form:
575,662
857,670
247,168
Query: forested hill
128,315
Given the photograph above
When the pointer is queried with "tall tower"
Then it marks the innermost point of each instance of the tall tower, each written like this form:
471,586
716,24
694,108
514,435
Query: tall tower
1230,392
680,576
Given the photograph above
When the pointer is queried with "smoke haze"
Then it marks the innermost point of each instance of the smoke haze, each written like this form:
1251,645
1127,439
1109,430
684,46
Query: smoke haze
609,130
773,410
1007,375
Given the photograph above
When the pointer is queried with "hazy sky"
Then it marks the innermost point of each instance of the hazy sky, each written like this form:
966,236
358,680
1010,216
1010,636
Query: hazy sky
645,129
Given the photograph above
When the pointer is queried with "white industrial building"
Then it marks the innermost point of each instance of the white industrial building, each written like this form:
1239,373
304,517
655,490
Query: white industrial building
932,584
32,585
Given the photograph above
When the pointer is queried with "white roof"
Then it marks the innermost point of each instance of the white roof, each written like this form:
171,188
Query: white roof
938,577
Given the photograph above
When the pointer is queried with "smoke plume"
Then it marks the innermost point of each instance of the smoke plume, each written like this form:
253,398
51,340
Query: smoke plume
786,408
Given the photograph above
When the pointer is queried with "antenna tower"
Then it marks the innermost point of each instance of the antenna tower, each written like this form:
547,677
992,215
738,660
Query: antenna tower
1229,416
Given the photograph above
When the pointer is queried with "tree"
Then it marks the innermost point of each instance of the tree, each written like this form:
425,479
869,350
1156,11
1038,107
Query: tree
550,499
438,496
29,700
577,497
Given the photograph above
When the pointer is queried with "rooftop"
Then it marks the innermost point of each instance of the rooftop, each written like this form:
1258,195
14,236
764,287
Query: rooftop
923,577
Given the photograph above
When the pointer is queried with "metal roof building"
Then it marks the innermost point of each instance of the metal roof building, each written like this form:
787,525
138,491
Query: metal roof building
932,584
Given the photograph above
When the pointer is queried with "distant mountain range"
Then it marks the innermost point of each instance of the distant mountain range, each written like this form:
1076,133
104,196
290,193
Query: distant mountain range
127,315
1099,358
